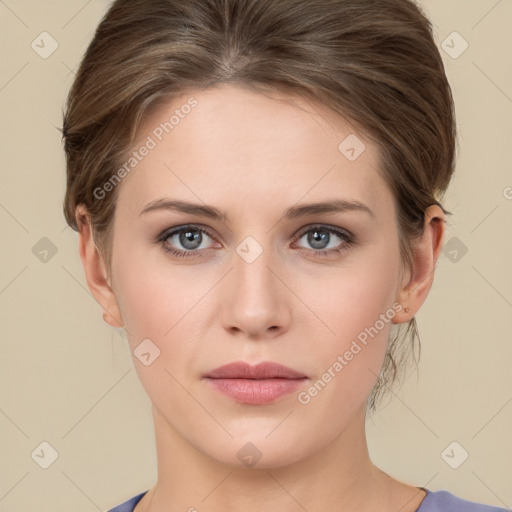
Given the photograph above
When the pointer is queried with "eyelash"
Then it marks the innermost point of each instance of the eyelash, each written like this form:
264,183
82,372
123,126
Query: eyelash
347,240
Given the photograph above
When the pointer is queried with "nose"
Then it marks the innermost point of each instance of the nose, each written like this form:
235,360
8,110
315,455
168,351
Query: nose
256,302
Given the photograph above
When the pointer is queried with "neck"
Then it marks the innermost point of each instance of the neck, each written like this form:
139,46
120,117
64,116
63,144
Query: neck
340,476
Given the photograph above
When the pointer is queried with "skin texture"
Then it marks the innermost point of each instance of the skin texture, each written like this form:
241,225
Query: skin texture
254,156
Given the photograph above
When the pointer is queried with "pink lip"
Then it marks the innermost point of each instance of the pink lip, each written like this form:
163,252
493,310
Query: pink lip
257,385
242,370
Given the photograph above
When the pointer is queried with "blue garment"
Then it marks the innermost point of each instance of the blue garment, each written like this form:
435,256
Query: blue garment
434,501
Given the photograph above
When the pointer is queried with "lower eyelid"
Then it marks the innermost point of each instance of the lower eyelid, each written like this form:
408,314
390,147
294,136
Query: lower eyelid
198,251
345,237
342,234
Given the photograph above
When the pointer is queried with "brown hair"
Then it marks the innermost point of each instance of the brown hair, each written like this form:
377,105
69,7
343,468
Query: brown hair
373,61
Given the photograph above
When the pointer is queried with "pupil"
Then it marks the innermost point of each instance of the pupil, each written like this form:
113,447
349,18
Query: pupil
318,238
191,239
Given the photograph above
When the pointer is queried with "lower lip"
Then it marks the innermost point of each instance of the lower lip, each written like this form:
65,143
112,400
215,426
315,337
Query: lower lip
256,392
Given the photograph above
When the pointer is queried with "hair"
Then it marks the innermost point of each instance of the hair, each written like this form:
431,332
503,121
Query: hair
374,62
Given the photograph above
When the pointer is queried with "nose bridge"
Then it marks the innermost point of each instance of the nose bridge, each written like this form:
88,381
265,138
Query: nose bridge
252,263
256,299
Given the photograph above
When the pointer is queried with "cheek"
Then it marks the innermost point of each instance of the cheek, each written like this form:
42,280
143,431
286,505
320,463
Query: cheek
355,306
152,292
165,302
154,302
159,305
351,298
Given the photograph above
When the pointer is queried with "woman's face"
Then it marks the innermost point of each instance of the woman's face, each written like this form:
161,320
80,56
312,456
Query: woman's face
313,290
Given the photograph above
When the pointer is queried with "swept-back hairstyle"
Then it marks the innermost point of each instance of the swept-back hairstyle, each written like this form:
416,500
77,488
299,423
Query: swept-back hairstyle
375,62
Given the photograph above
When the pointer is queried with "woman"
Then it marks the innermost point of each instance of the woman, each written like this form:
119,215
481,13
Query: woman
256,185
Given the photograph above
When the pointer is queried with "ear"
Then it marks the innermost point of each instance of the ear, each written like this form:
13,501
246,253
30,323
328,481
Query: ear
96,273
426,250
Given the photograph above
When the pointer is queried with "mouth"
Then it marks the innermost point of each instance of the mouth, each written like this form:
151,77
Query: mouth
261,384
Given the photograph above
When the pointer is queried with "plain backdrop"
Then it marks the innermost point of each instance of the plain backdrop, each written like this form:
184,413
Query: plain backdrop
67,379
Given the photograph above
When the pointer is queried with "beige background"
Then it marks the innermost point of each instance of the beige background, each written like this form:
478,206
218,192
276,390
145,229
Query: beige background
67,378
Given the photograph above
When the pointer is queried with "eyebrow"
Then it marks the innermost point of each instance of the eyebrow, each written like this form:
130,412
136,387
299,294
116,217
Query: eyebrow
303,210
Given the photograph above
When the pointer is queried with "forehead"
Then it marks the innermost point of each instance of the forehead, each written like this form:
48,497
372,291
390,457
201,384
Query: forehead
232,142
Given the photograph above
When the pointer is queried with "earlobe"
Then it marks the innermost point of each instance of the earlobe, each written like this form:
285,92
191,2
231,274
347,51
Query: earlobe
95,269
426,250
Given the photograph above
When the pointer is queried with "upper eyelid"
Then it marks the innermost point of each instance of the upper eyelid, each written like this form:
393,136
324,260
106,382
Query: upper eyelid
334,229
171,231
298,234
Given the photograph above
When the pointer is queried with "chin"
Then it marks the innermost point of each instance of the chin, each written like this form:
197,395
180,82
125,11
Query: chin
256,451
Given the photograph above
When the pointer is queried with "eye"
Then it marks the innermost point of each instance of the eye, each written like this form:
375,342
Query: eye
323,239
189,240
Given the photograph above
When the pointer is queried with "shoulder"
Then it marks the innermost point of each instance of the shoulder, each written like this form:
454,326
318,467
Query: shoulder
444,501
129,505
434,501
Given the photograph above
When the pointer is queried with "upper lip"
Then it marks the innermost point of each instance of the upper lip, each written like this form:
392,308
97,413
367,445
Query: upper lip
243,370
